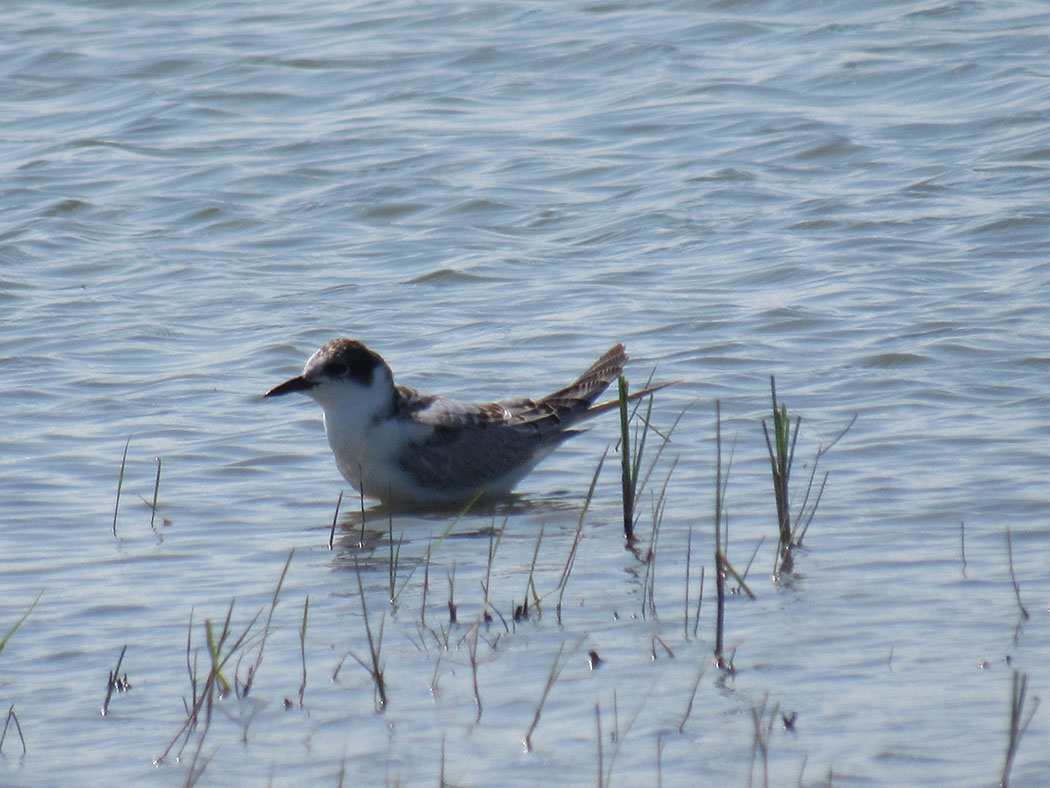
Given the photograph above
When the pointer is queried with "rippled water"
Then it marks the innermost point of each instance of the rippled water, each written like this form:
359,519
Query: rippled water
849,197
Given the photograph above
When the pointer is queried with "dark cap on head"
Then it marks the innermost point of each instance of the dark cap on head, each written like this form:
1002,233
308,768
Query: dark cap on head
341,358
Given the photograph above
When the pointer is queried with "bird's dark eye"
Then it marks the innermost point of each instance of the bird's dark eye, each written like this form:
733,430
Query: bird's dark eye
345,360
335,369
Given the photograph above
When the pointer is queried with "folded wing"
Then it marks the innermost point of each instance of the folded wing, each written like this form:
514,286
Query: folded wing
471,447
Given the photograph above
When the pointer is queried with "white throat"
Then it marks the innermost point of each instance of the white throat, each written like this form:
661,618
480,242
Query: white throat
361,431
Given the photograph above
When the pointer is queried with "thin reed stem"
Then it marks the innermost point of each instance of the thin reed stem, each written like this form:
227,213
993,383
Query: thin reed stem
552,676
1018,722
1013,576
375,645
114,681
688,561
472,651
156,492
214,681
720,581
120,484
335,520
699,601
601,765
254,668
395,557
529,584
14,627
452,594
570,560
12,717
627,479
302,647
692,697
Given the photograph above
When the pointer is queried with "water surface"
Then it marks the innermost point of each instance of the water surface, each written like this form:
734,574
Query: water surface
849,197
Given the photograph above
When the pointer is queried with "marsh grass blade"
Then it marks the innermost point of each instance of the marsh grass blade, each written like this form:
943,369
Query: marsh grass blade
219,654
1018,722
12,717
14,627
632,449
649,582
570,560
375,646
434,545
552,676
222,647
692,697
763,728
335,520
781,448
114,681
254,668
521,612
156,493
792,529
395,559
601,765
720,580
120,484
628,475
302,647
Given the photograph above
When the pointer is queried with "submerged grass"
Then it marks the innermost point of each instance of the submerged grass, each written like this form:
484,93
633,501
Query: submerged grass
12,717
1018,723
720,575
628,465
335,521
692,697
115,681
221,645
618,735
632,449
649,581
302,647
14,627
374,665
781,449
522,611
227,646
156,494
120,484
221,648
781,456
392,564
1023,611
570,559
552,676
254,668
763,722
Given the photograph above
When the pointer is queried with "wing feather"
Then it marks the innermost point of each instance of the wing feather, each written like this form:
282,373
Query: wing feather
469,446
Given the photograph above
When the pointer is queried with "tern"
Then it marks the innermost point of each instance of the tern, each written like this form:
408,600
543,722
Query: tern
411,449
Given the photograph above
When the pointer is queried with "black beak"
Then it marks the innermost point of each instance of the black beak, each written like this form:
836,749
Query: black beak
295,384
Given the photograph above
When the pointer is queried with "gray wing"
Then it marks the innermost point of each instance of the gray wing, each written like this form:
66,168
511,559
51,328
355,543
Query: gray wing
471,457
471,445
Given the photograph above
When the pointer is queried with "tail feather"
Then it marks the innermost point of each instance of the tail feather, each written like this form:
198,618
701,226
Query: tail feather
575,399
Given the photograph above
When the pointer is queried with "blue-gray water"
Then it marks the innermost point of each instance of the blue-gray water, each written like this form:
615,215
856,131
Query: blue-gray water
853,197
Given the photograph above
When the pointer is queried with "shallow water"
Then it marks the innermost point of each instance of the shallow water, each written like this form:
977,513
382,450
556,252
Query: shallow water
850,198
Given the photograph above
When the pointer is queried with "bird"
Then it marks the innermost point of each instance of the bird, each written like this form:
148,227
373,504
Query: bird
422,450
